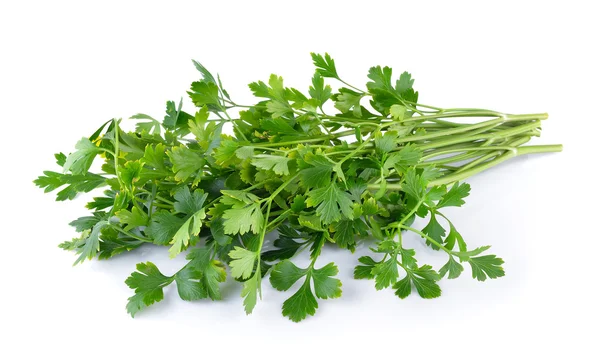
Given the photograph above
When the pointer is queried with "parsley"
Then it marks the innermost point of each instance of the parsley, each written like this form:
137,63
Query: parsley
363,174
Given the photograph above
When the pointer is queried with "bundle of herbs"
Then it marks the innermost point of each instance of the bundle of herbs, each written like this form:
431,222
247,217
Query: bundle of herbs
322,169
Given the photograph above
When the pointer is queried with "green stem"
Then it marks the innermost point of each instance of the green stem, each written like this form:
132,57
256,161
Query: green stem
505,133
412,212
308,140
119,229
524,150
428,238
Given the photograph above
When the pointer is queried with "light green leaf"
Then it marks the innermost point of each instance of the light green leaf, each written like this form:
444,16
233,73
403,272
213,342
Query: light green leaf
250,292
242,262
243,220
80,161
186,162
278,164
132,219
92,243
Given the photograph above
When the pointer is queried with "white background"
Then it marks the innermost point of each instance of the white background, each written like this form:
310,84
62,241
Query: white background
66,67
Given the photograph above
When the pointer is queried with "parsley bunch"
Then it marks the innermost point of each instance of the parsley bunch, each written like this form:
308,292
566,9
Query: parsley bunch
322,169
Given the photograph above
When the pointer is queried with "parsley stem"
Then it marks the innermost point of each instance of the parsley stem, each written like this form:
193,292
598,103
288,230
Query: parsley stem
308,140
465,149
282,187
412,212
428,238
282,216
451,140
157,196
352,87
524,150
139,238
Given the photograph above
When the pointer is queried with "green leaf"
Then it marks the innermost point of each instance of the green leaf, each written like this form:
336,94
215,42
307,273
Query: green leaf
319,91
398,112
284,274
213,272
403,287
242,262
154,156
278,126
243,220
414,184
488,266
130,174
423,279
175,118
260,89
92,244
452,267
298,205
344,233
132,219
348,101
250,291
434,230
189,284
241,196
387,142
151,127
301,304
435,193
325,65
385,273
455,196
285,244
277,164
370,207
452,238
218,232
148,283
61,158
382,78
80,161
225,154
186,162
187,202
206,75
408,258
404,83
325,285
244,152
319,172
190,228
83,223
278,108
163,227
331,203
365,271
207,133
204,93
409,155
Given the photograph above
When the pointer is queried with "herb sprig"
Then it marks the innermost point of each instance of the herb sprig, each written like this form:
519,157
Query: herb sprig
321,168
